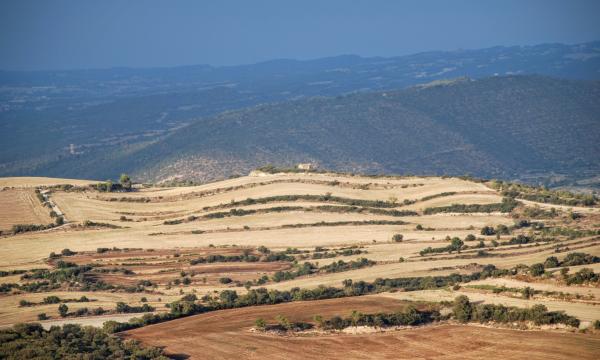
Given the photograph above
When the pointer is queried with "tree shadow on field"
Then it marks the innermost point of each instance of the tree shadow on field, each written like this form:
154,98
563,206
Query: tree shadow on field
178,356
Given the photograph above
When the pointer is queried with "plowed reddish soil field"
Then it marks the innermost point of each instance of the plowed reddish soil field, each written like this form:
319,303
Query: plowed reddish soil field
224,335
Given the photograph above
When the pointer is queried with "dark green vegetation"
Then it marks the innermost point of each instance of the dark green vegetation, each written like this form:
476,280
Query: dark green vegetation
308,268
441,127
504,127
507,205
544,195
31,341
583,276
464,311
306,197
228,299
408,317
277,209
71,276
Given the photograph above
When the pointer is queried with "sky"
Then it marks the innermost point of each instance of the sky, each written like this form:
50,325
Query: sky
80,34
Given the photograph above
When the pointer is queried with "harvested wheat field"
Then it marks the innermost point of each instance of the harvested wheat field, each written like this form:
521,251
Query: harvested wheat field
21,206
192,268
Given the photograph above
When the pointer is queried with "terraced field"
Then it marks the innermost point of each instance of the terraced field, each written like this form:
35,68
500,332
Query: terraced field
20,206
290,232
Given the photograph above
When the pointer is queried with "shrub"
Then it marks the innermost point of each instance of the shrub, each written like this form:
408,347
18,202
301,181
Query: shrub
488,230
397,238
24,303
536,269
67,252
260,324
551,262
51,299
63,310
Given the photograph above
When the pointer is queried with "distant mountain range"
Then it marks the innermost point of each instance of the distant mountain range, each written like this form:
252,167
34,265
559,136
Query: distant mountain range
346,113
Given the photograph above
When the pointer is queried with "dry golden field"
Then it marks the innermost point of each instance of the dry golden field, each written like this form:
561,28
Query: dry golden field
20,206
156,244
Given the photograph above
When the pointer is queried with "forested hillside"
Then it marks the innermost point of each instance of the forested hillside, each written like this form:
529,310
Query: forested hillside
97,123
507,127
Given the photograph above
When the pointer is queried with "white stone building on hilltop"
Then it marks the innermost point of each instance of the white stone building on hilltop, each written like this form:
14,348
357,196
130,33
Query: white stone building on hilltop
306,166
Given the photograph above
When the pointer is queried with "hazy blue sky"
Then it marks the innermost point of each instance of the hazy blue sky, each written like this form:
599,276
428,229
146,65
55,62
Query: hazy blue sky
90,34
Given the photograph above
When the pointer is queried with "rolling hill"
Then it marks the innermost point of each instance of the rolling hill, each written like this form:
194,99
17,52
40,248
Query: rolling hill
513,127
92,123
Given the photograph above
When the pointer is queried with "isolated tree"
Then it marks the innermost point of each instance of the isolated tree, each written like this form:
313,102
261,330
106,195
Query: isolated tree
63,310
536,269
125,181
397,238
488,230
456,244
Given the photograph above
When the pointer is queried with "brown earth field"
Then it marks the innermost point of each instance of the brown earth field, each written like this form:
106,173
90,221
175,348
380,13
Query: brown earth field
226,334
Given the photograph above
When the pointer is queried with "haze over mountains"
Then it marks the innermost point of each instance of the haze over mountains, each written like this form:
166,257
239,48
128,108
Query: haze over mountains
164,123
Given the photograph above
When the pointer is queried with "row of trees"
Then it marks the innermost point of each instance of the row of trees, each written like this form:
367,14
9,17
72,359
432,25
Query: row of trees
124,184
464,311
506,206
228,299
31,341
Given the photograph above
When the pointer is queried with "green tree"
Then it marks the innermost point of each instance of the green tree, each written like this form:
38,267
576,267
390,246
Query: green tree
462,309
397,238
528,292
488,230
319,320
63,310
125,181
536,269
456,244
355,318
551,262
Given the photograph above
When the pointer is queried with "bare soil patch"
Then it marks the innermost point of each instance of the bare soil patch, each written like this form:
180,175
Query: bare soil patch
225,335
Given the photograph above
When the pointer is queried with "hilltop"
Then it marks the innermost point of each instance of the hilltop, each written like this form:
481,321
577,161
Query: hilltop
517,127
93,123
